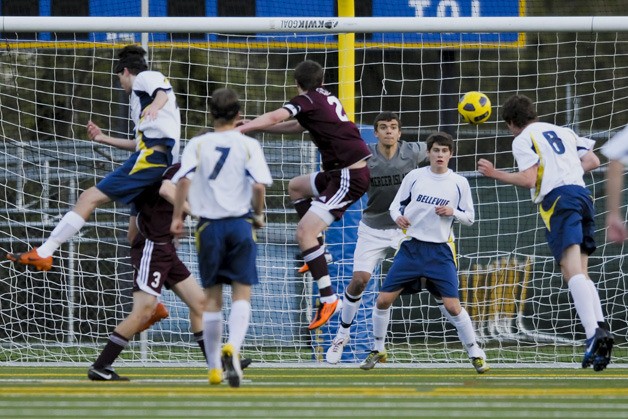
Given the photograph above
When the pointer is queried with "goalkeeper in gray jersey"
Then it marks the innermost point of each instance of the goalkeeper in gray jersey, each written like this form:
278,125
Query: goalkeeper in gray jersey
392,159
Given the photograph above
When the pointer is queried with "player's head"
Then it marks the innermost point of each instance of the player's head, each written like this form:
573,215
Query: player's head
131,57
440,138
309,75
440,148
387,128
519,111
224,106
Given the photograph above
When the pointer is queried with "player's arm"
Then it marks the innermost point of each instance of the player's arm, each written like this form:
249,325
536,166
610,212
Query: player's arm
401,199
465,213
617,231
525,178
257,202
272,122
167,191
589,161
150,112
95,134
180,197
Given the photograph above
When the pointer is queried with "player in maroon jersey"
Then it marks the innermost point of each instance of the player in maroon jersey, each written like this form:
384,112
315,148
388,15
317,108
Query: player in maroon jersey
322,197
156,264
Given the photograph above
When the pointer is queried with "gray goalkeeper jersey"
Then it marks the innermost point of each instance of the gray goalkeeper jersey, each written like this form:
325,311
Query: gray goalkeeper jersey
386,177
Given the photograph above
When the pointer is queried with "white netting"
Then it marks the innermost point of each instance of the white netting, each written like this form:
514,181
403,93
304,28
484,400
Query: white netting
509,283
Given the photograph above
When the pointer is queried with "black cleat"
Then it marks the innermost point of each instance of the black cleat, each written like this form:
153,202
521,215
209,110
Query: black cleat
104,374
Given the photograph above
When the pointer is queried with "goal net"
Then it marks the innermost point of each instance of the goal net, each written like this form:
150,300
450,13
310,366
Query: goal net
52,83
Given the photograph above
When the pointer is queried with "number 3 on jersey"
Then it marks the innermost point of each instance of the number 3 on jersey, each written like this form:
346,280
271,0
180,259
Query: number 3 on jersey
224,152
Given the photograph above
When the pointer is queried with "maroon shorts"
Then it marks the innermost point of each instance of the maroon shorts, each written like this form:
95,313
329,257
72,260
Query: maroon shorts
156,265
338,189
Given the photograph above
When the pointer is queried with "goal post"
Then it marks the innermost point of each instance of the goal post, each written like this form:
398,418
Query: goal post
573,67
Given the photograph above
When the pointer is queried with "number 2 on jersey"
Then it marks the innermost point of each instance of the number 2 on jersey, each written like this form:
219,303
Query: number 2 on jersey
335,102
224,152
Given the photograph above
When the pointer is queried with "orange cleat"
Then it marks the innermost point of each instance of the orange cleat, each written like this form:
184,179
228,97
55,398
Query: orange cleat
31,258
324,313
303,269
160,313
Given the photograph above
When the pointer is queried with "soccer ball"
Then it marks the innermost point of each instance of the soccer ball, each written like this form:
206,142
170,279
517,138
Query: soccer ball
475,107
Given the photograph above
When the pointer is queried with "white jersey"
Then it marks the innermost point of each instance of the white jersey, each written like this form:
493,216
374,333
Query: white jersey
166,128
617,147
222,166
557,150
421,192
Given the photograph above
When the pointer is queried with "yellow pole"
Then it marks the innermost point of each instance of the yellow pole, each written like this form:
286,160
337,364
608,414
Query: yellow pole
346,61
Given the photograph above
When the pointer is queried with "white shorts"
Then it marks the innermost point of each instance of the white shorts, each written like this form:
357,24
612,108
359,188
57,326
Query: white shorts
372,245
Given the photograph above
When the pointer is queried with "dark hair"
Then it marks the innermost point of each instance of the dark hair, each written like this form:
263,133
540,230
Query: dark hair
224,104
519,110
309,75
386,116
440,138
131,57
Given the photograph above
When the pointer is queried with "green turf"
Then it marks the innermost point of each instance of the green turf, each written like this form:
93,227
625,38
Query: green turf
47,392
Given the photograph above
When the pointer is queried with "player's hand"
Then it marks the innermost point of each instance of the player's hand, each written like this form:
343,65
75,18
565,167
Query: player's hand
94,132
176,228
485,167
616,229
403,222
150,113
259,221
444,211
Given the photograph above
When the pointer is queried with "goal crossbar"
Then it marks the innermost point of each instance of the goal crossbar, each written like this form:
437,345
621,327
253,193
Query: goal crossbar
314,24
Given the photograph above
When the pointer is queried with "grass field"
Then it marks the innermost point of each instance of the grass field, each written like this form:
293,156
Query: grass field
166,392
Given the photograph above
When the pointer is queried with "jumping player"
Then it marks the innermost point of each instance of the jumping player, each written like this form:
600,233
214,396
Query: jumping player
155,113
322,197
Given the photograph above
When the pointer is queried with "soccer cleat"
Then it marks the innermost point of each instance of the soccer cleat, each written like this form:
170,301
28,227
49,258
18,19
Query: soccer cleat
373,358
324,313
215,376
598,350
104,374
231,361
160,313
480,365
245,362
334,353
328,258
603,356
31,258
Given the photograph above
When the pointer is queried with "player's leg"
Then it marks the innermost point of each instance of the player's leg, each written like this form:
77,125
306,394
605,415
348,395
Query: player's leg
350,305
212,332
70,224
238,322
457,315
381,319
191,293
101,369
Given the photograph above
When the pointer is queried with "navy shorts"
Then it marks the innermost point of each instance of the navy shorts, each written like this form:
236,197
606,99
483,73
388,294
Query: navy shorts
417,259
338,189
141,170
156,265
568,214
226,251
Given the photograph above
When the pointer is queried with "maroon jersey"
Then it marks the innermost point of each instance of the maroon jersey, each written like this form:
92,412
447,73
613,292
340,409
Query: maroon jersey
336,137
154,213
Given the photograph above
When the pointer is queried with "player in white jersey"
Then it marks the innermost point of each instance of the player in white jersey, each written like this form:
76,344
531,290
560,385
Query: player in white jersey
551,162
426,205
155,114
616,150
391,160
223,174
